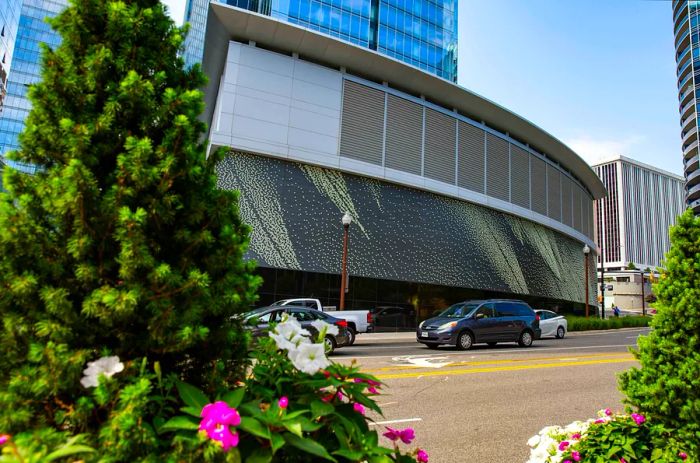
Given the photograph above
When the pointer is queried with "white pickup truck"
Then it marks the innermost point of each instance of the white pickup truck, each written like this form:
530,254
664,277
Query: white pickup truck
359,321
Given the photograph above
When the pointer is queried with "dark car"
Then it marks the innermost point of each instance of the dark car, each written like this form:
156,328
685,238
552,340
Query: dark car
489,321
259,321
393,317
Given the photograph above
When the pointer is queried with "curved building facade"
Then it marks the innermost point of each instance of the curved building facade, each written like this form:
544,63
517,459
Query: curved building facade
453,196
686,19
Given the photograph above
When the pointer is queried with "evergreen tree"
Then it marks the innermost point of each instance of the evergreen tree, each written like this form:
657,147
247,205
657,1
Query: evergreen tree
667,386
121,244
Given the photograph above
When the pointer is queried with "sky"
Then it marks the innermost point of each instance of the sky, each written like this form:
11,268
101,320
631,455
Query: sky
598,75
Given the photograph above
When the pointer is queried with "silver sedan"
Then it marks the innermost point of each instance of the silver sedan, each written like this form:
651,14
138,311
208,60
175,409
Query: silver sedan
552,324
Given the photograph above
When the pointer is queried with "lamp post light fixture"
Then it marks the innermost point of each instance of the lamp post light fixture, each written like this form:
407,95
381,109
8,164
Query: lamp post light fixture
586,251
347,220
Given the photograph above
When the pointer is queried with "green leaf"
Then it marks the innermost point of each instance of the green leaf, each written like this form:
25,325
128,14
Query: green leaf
260,455
192,396
277,441
353,455
254,427
308,446
380,459
196,412
613,450
68,450
235,397
294,427
320,408
179,423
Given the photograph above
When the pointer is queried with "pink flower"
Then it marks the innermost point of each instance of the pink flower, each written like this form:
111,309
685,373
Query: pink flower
406,435
4,438
600,420
566,461
576,436
359,408
639,419
683,456
422,456
216,419
563,445
372,390
608,411
575,455
622,460
283,402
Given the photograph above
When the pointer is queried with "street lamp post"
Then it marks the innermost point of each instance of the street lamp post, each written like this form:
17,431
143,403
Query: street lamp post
602,280
586,251
644,306
347,220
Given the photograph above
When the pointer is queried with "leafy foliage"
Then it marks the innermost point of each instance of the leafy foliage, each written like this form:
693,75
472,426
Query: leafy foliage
593,323
121,244
667,386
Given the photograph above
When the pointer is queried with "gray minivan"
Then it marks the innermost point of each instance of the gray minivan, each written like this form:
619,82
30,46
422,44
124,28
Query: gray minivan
488,321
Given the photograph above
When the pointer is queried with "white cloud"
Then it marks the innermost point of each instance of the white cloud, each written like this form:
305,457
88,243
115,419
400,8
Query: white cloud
176,9
593,150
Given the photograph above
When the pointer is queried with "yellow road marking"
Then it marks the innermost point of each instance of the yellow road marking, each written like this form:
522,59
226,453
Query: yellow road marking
504,368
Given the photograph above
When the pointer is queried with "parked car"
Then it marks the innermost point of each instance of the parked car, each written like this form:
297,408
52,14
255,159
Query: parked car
481,321
359,321
552,324
393,317
259,321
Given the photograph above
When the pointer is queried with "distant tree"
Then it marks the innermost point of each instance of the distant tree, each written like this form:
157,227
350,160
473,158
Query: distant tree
631,266
667,386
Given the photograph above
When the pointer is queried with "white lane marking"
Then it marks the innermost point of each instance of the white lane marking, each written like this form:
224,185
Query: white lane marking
493,352
406,420
422,361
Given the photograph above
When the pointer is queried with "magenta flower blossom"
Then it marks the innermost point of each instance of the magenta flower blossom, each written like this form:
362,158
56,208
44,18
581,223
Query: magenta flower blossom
359,408
372,390
576,436
639,419
576,456
283,402
608,412
216,419
4,438
406,435
563,445
566,461
622,460
600,421
683,456
422,456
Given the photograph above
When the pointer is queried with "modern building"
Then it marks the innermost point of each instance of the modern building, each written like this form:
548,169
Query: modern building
419,32
9,21
625,290
32,31
686,15
452,195
633,220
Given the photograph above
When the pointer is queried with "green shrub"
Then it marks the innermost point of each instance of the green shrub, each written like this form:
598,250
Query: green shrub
667,386
594,323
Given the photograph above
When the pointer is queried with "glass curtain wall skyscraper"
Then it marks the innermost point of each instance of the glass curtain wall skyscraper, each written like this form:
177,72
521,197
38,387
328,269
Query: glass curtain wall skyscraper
32,31
419,32
686,19
9,20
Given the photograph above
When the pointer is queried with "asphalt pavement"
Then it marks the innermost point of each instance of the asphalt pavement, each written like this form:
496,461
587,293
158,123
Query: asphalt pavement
482,405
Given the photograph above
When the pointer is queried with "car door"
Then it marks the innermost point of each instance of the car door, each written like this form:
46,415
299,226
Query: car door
547,323
485,324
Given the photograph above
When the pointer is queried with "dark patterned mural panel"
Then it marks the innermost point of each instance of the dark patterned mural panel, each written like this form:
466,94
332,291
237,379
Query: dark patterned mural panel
398,233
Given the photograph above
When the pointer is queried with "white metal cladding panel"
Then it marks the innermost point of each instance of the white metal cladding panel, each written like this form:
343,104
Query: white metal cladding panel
578,211
588,215
538,185
566,200
519,176
554,192
471,158
404,135
498,168
362,127
440,146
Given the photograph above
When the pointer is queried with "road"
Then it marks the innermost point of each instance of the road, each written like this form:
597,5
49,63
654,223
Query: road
482,405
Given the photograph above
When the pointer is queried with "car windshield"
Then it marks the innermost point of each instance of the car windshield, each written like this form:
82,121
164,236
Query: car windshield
459,310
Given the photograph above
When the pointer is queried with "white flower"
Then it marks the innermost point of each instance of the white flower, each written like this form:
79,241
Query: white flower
320,325
289,334
533,441
309,358
107,366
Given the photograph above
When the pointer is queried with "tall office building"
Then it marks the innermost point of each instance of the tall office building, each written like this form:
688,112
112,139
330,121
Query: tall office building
634,218
420,32
686,17
32,31
9,20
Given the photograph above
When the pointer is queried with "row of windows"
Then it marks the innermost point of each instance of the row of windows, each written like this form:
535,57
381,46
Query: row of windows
442,36
426,11
409,47
449,5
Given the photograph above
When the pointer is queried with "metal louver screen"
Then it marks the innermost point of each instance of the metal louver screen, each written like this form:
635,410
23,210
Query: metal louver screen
471,158
497,170
578,197
566,200
586,226
519,177
362,128
440,149
538,185
554,192
404,135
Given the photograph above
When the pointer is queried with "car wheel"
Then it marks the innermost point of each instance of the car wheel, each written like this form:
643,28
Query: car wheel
432,346
351,336
491,344
525,339
560,332
465,341
328,345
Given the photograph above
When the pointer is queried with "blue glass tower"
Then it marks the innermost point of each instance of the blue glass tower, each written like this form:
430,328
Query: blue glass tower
32,31
419,32
9,20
